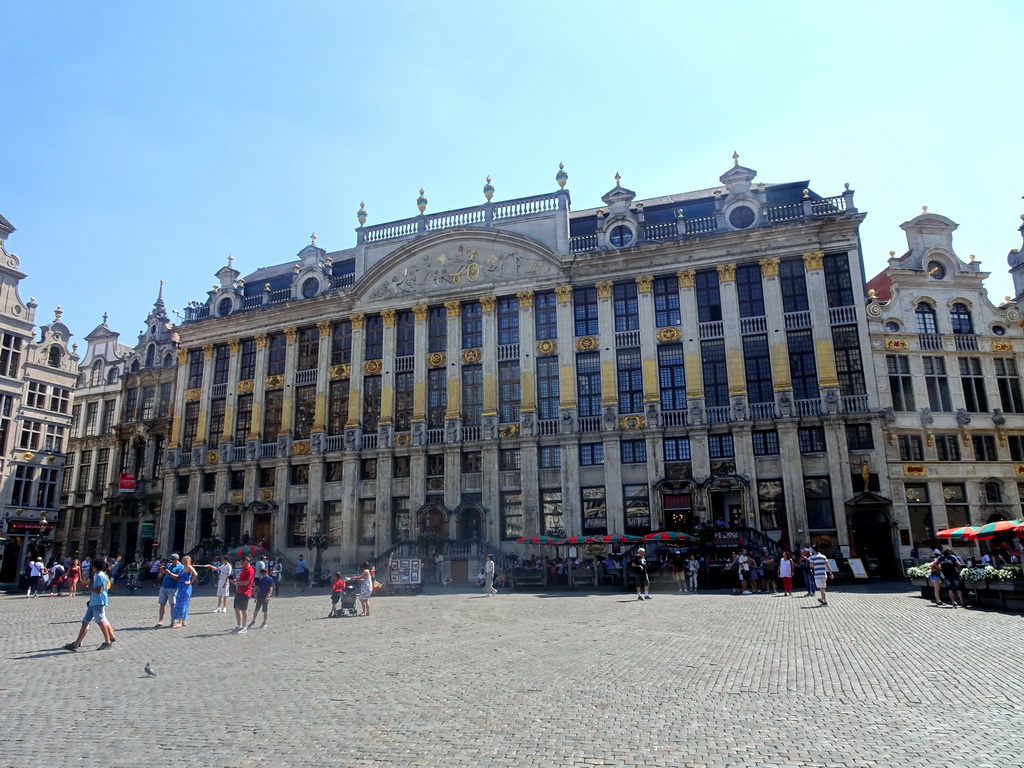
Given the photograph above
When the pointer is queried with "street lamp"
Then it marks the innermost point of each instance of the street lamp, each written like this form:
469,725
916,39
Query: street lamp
318,541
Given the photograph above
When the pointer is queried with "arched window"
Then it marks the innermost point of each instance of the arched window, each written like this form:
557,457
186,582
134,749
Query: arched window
960,319
112,375
167,360
150,356
97,374
135,366
55,356
993,494
925,314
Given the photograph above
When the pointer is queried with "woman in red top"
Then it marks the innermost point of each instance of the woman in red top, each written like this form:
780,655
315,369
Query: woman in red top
74,574
336,589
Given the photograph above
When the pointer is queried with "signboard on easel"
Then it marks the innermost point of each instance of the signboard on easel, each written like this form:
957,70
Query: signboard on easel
857,567
406,572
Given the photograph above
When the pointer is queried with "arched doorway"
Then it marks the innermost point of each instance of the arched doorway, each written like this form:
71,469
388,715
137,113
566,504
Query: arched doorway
871,533
471,523
434,519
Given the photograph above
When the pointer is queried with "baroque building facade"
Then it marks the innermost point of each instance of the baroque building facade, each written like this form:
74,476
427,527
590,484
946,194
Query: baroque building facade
519,367
113,487
947,362
37,380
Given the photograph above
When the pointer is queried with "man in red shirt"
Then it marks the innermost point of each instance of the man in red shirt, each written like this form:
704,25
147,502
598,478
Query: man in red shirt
243,591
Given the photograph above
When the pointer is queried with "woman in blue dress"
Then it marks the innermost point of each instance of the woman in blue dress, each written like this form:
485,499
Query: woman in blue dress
365,588
180,614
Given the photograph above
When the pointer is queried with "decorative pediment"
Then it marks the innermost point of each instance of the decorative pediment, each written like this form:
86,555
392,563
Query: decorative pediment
463,258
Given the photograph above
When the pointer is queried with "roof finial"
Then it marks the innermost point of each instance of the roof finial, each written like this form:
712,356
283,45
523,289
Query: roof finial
312,239
618,179
231,258
488,189
361,214
421,201
561,177
924,209
104,318
735,159
57,313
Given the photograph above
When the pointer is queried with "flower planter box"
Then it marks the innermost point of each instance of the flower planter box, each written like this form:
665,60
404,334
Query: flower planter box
1012,585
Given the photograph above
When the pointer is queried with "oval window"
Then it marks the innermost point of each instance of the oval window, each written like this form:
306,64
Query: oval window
936,269
741,217
310,288
892,327
621,236
224,307
998,330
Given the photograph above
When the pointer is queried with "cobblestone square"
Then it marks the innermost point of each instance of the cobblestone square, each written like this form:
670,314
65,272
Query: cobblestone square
879,677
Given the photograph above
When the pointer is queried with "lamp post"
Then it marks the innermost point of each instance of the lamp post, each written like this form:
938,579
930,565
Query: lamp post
318,541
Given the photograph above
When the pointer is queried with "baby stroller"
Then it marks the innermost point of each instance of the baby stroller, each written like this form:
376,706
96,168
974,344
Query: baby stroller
347,605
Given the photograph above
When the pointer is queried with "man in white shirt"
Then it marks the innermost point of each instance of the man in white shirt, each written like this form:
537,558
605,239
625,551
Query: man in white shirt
223,585
35,575
489,589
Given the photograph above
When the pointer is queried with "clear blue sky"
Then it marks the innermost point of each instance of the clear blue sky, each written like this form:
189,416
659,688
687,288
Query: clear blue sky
144,141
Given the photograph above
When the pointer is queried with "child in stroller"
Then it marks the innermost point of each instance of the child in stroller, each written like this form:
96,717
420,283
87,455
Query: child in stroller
343,597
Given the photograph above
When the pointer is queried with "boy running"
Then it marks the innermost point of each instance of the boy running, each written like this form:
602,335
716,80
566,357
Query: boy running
264,588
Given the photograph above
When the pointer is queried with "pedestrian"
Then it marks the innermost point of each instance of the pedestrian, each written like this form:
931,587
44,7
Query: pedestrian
96,610
744,562
768,568
822,572
264,589
35,576
223,569
131,575
950,566
74,576
86,575
337,588
365,588
439,568
679,574
786,573
692,572
57,576
179,611
115,568
243,591
301,574
154,570
638,566
168,587
935,579
278,573
807,571
489,589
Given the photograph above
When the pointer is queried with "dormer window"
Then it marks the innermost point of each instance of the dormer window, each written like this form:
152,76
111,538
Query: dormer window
936,270
55,356
621,236
310,288
224,307
741,217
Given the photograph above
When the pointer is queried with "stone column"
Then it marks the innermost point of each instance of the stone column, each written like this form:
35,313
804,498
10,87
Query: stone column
204,397
288,399
731,330
648,340
259,390
691,345
231,394
355,384
821,327
527,363
793,483
606,334
454,412
419,394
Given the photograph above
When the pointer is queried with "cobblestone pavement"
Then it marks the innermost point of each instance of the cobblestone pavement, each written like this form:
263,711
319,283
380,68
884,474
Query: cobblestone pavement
877,678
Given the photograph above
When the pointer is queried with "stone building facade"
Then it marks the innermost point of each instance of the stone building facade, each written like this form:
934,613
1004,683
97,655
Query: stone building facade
520,367
947,361
113,487
37,380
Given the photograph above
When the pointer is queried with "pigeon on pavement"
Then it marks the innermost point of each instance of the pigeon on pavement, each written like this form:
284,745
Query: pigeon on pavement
149,670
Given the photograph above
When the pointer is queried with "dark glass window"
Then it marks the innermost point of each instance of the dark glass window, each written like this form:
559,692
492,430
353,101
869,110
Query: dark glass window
341,343
666,301
404,383
588,383
937,383
545,315
221,363
716,377
626,307
677,449
709,297
859,437
630,381
721,447
672,377
766,442
925,316
508,320
437,397
309,349
633,451
591,454
374,337
749,291
803,367
973,383
960,319
405,334
849,364
437,329
793,285
757,365
273,402
337,407
247,360
509,391
811,439
472,325
372,399
584,309
547,388
838,283
901,383
277,351
472,395
195,368
1009,385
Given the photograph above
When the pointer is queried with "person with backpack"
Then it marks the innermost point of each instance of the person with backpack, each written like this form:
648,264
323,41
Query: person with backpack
949,566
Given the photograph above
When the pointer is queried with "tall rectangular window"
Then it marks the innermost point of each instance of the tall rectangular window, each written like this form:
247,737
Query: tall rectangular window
148,402
472,395
277,353
716,377
709,296
131,403
591,454
749,292
24,477
901,383
247,360
195,368
633,451
811,439
404,383
305,412
84,470
341,343
102,468
163,408
1009,385
636,500
551,517
595,511
59,399
588,383
677,449
765,442
367,521
838,283
584,311
401,519
630,381
373,336
54,438
6,402
803,368
547,388
666,301
509,391
297,525
937,383
405,334
910,447
818,501
337,407
35,395
947,447
46,494
309,349
672,377
216,420
191,426
371,402
550,456
721,446
510,460
973,383
92,411
221,363
31,435
109,414
437,397
437,329
508,320
793,284
243,419
985,448
10,355
626,307
859,437
472,325
849,363
545,315
511,515
757,365
273,404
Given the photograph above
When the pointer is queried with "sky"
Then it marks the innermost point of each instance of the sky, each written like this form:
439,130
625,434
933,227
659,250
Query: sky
145,142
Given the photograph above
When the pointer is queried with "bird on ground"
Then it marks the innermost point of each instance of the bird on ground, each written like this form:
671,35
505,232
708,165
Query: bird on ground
149,669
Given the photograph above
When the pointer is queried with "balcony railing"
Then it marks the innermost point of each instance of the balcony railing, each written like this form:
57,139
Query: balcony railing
664,231
590,423
855,403
719,414
582,243
186,458
965,342
842,315
304,378
624,339
930,340
829,206
238,453
547,427
788,212
712,330
435,436
334,443
405,364
673,418
796,321
368,442
702,226
508,351
216,391
470,434
761,410
268,450
753,325
808,407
